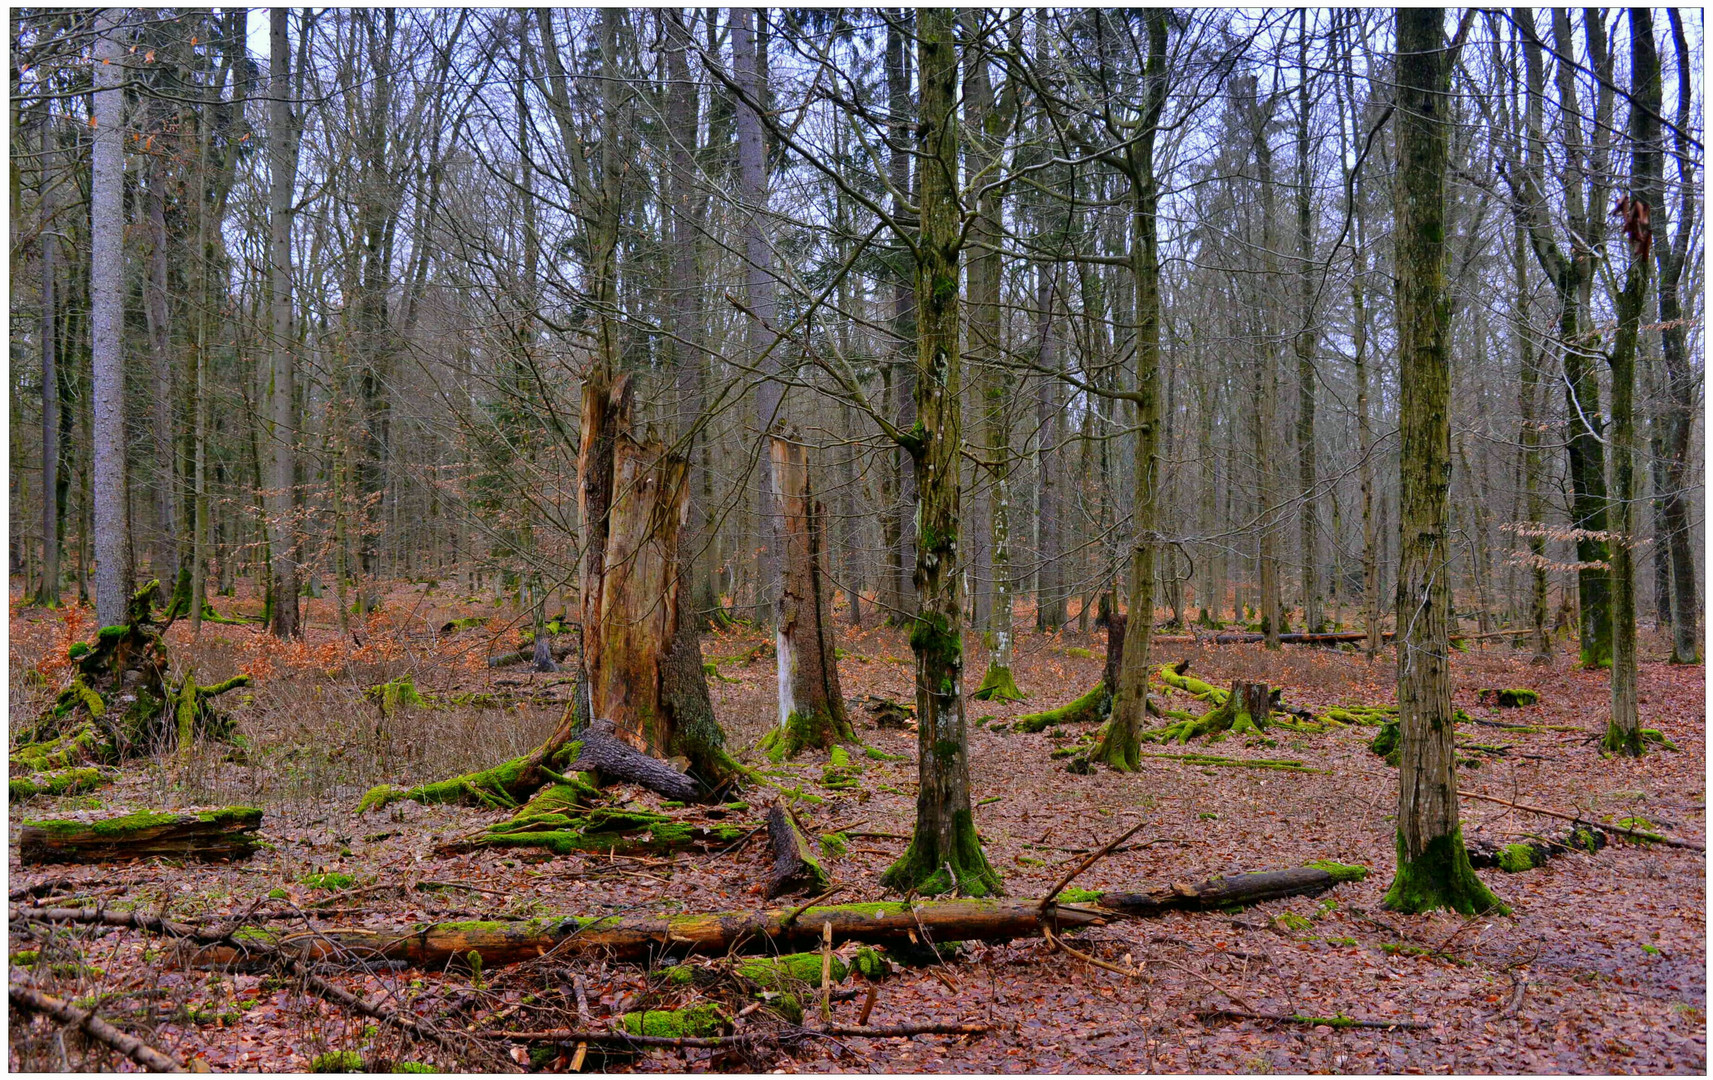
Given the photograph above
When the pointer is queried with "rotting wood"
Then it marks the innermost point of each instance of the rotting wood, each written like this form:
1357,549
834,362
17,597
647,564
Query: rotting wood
225,833
31,999
1340,1021
1576,820
604,753
641,938
795,866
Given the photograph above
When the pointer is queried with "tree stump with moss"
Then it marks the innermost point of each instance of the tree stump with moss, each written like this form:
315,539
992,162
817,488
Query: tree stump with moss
796,868
225,833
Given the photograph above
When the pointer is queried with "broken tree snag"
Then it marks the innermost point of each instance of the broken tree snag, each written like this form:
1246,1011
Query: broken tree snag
1244,709
795,866
225,833
779,930
604,755
811,705
120,702
1096,705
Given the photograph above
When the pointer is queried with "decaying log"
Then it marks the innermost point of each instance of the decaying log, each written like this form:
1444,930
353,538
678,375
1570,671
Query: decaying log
603,753
225,833
561,650
28,997
643,938
795,866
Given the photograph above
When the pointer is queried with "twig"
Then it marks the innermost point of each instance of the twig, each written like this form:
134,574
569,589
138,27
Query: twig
28,997
867,1005
1047,900
1298,1018
582,991
1575,820
461,885
714,1041
1053,940
826,973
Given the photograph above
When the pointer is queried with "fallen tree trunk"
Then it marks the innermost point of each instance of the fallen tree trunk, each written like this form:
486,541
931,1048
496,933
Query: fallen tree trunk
644,938
226,833
527,656
1250,638
795,867
603,753
29,998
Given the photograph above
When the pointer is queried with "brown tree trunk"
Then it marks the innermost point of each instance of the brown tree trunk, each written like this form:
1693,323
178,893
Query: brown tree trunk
811,705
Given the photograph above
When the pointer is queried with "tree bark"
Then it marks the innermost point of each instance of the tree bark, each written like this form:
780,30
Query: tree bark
1120,748
107,298
748,70
1623,731
944,853
1433,865
811,705
47,590
1309,526
282,164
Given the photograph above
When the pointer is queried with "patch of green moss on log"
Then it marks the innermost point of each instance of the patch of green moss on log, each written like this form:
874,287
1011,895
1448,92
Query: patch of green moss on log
784,972
694,1022
66,782
332,882
1091,707
1341,872
337,1061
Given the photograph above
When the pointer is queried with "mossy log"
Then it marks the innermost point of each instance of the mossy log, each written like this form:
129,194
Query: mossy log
1091,708
1508,699
896,715
1245,709
64,782
646,937
561,650
225,833
1532,852
796,868
561,819
503,787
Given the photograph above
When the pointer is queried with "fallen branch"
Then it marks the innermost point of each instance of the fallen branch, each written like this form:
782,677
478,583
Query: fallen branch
1575,820
1340,1021
1086,863
645,937
28,997
708,1042
224,833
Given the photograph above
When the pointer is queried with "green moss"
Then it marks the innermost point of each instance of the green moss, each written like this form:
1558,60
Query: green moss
414,1067
1516,858
1341,872
1079,896
802,730
1651,735
1626,743
333,882
870,964
1440,877
78,650
1290,920
1171,676
26,957
397,694
66,782
923,865
792,969
1386,743
834,844
337,1061
1087,709
679,975
695,1022
491,788
881,755
278,894
999,684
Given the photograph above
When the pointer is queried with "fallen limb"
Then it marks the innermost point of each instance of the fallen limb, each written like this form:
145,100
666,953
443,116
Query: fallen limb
1576,820
225,833
1281,764
603,753
1092,707
1340,1021
643,938
595,1035
1071,875
28,997
527,656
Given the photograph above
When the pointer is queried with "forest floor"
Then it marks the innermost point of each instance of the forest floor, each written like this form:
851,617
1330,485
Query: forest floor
1601,967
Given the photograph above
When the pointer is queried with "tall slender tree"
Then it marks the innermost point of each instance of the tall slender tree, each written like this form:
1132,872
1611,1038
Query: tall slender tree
284,132
113,571
1433,865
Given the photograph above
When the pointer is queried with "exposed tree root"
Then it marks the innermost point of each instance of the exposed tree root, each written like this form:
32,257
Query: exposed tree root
999,684
1092,707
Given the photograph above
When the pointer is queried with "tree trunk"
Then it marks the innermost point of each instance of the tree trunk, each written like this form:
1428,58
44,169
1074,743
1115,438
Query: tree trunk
1049,562
282,165
1120,747
1433,865
811,705
1623,730
944,853
1309,526
47,590
901,524
748,69
208,835
107,300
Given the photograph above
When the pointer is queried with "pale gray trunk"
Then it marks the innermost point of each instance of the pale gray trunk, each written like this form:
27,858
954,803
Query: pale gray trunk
1313,620
282,163
47,592
107,298
747,67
